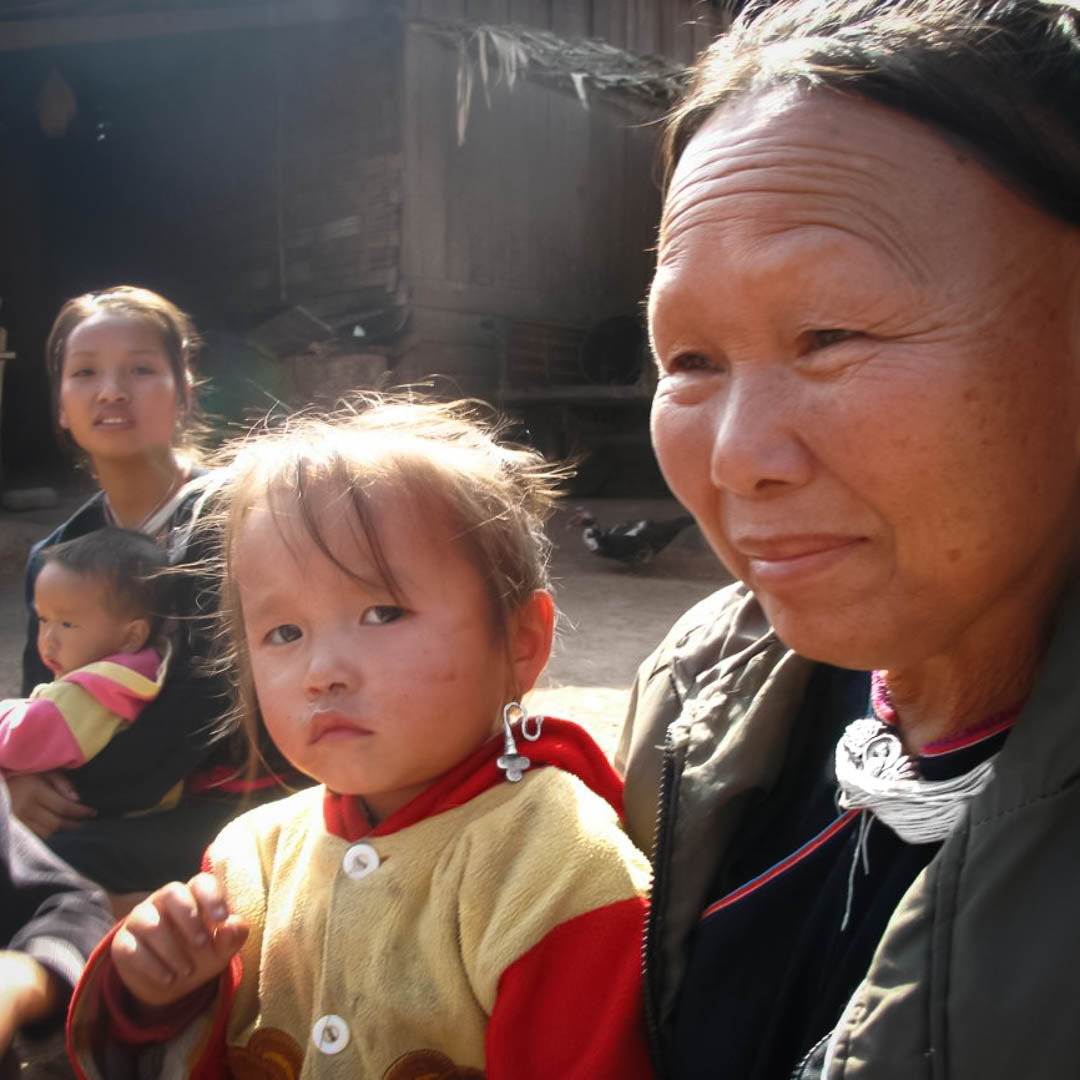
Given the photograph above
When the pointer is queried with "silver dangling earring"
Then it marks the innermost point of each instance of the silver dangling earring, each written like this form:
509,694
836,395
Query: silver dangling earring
511,762
538,722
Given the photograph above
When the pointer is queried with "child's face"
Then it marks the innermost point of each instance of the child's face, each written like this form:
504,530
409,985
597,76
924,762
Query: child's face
369,697
118,392
75,626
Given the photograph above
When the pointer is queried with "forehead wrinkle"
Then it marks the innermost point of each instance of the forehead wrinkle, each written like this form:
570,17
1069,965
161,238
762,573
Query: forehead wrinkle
831,191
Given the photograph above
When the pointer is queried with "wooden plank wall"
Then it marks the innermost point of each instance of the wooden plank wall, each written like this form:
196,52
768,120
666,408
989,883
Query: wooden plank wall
548,212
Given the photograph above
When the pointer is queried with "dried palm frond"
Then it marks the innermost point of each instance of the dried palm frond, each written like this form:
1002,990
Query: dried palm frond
648,85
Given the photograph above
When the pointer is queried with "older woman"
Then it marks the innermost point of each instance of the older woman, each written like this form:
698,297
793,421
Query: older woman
867,318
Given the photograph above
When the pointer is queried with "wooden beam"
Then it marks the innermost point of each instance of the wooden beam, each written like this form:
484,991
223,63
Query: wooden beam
20,34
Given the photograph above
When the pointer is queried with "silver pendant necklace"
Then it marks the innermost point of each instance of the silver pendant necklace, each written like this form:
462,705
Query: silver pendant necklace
873,772
151,523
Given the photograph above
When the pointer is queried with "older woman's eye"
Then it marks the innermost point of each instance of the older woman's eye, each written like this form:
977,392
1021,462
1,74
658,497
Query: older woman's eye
381,614
822,339
284,634
691,362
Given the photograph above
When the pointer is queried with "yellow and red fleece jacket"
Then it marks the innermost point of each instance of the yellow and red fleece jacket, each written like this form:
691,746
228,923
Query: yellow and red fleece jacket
487,929
67,723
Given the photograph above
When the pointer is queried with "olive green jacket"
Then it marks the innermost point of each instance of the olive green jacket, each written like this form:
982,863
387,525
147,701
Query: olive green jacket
976,975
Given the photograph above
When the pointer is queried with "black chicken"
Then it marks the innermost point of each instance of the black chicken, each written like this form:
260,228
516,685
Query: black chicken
633,542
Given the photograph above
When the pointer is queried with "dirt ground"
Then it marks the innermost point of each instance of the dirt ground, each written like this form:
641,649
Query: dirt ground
610,617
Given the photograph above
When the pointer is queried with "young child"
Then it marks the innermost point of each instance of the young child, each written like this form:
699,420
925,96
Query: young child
97,601
458,899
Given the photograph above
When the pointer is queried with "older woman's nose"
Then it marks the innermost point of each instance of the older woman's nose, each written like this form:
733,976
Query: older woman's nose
756,447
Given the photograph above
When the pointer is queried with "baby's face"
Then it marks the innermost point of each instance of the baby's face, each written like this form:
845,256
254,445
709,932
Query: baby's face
75,625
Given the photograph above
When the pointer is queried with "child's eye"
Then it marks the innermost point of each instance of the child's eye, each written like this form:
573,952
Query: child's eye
283,635
381,614
81,373
68,625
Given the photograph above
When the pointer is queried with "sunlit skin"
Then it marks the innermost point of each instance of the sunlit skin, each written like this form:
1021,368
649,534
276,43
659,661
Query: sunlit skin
370,693
869,394
75,623
120,402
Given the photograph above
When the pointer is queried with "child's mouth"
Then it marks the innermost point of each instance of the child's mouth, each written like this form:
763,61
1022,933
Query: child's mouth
330,725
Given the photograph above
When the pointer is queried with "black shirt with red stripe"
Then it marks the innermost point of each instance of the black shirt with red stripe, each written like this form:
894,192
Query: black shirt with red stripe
772,962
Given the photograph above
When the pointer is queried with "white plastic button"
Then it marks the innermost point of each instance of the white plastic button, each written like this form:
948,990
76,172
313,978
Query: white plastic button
360,860
330,1034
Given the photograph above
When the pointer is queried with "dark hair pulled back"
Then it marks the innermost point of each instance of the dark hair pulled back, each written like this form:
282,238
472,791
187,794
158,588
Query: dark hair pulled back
1002,77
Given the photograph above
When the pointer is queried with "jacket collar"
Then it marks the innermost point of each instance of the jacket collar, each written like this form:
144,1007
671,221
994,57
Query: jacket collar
739,688
1042,753
561,745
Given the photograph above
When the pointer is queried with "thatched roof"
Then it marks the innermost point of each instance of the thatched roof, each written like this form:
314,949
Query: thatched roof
647,85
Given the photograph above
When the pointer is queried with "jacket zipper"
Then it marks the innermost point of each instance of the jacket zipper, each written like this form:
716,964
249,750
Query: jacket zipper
651,974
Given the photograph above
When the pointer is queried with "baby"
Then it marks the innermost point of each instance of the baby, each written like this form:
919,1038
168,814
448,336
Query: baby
97,600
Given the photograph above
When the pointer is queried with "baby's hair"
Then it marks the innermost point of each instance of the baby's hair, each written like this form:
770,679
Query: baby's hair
128,564
448,459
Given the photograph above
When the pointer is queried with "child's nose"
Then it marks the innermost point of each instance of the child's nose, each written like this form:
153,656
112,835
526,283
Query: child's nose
328,668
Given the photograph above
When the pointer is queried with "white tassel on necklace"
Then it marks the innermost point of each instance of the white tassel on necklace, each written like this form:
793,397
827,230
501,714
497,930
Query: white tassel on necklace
875,775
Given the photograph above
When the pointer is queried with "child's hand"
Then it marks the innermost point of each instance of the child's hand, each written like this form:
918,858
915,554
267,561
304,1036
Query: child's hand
176,940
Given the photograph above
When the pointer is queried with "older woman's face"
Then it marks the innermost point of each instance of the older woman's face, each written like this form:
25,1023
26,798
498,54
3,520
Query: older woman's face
869,387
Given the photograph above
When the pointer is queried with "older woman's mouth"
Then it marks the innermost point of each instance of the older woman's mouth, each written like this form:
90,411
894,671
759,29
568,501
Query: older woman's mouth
782,559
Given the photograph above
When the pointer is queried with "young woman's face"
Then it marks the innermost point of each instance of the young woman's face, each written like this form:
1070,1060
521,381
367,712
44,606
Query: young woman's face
371,695
118,393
